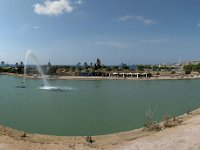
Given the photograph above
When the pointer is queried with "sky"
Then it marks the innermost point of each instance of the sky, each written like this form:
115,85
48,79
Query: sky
130,31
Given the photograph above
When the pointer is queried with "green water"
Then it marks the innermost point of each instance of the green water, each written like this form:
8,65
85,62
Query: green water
92,107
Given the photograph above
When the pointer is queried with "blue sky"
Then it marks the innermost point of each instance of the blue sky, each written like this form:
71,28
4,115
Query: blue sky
116,31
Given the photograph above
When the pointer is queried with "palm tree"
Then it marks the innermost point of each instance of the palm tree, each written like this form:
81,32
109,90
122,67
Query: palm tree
21,64
17,64
98,63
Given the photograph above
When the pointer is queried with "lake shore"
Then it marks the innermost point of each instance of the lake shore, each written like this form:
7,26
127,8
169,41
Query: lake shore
183,135
167,138
157,77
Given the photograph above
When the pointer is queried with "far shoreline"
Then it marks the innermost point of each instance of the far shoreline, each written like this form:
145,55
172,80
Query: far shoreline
56,77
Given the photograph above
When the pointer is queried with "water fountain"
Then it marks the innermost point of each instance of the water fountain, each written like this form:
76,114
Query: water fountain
30,54
45,85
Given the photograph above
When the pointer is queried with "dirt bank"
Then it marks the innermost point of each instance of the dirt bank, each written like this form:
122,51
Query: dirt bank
183,136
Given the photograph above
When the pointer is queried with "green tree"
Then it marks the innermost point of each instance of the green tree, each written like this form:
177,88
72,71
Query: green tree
21,64
140,67
91,65
78,66
115,67
98,63
16,64
156,68
85,66
188,68
197,67
124,66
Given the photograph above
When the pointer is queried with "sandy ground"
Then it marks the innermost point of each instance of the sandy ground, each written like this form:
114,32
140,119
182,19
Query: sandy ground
185,136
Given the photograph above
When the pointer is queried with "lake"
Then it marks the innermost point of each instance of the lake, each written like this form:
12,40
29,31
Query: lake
92,107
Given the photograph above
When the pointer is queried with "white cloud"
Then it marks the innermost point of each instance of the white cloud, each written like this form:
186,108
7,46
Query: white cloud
198,25
27,26
137,18
111,44
79,2
140,18
148,21
154,41
36,27
55,7
125,18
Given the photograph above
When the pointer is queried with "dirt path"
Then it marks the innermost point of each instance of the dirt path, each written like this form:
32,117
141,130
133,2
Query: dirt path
182,137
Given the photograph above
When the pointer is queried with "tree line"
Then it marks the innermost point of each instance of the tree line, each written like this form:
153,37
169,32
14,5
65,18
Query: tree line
191,67
94,69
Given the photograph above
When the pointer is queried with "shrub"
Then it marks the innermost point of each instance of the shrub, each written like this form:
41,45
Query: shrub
151,125
187,72
173,72
89,139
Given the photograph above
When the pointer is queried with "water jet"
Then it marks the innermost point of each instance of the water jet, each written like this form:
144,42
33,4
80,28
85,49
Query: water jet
45,85
30,54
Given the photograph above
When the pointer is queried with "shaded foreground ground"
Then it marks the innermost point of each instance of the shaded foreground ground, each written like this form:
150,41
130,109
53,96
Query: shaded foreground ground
184,136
